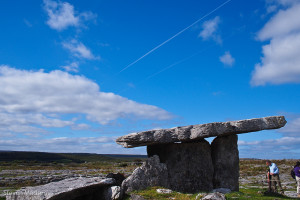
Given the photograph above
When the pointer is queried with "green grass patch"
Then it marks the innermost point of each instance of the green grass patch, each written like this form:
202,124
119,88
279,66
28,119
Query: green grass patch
151,193
254,193
243,194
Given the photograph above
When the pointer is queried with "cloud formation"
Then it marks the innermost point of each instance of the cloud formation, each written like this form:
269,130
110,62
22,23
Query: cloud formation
209,30
79,50
73,67
31,97
280,62
292,128
227,59
62,15
104,145
286,147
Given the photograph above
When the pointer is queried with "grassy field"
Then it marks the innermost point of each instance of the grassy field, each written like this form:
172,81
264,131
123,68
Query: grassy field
243,194
252,172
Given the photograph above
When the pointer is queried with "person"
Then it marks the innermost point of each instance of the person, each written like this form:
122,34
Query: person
274,176
297,175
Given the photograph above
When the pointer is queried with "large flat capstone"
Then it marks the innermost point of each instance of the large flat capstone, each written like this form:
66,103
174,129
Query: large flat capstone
197,132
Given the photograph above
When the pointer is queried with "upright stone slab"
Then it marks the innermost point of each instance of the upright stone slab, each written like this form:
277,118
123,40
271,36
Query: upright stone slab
189,165
225,158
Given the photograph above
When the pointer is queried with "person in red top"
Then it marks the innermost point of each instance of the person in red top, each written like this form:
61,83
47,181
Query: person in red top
297,174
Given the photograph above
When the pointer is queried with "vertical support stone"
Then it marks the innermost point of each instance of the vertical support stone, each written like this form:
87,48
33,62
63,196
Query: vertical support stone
225,157
189,165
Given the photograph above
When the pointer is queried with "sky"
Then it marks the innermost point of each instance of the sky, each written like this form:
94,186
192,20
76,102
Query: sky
75,75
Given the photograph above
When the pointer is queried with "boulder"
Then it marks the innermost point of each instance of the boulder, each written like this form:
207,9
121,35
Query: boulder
214,196
119,178
164,191
68,189
189,165
197,132
225,158
136,197
113,193
151,173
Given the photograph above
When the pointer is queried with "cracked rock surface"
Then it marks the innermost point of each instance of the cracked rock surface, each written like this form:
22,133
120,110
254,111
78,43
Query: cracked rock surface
197,132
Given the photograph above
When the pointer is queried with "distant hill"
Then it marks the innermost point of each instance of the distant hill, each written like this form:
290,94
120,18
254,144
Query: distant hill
8,156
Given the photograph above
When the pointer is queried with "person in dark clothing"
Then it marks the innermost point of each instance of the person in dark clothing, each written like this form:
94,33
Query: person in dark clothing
297,175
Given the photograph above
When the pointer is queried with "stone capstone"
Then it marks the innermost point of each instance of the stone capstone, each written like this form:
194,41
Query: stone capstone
68,189
151,173
197,132
225,158
189,165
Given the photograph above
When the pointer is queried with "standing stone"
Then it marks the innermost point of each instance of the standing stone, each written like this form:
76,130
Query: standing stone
225,157
151,173
189,165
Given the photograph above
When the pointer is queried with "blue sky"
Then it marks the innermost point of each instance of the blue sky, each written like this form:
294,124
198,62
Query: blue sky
75,75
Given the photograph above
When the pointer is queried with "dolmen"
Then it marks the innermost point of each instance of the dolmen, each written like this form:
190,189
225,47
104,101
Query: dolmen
181,159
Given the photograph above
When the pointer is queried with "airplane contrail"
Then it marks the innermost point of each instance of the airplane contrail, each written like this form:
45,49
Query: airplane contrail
168,40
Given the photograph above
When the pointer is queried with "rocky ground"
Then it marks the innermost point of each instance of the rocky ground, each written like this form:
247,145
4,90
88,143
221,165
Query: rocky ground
258,179
252,174
38,177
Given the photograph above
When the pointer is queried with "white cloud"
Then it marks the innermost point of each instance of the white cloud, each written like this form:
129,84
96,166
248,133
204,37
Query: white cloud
30,123
79,50
105,145
41,94
210,30
283,23
227,59
285,147
280,62
73,67
292,128
62,15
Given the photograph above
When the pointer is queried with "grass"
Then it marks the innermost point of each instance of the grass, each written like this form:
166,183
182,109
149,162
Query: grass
254,193
243,194
151,193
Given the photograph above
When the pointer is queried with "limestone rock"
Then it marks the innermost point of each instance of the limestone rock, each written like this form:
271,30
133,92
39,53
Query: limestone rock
214,196
164,191
151,173
136,197
189,165
197,132
118,177
225,157
113,193
68,189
